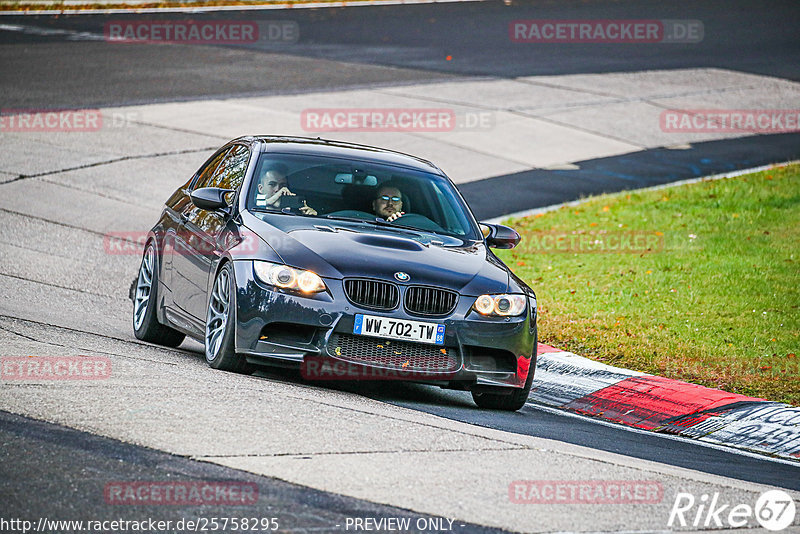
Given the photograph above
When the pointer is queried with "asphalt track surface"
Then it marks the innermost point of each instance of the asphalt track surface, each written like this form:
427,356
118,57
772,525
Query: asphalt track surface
645,168
391,45
533,420
86,463
360,46
345,48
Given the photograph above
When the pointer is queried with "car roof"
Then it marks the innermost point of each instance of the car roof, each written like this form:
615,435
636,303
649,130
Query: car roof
340,149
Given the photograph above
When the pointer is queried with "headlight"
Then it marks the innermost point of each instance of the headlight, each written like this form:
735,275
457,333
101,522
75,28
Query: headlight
503,305
287,277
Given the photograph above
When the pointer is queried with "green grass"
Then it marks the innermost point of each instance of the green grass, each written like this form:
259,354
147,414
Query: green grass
22,5
713,301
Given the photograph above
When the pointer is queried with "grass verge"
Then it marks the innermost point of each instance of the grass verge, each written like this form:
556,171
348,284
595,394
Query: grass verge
6,5
699,282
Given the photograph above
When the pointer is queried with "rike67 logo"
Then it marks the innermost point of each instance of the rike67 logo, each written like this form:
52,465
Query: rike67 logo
774,510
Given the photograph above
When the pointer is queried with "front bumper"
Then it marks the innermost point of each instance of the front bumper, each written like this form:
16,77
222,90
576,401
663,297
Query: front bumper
276,326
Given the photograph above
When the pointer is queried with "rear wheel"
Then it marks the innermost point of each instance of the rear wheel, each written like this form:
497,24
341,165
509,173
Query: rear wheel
145,297
513,401
221,325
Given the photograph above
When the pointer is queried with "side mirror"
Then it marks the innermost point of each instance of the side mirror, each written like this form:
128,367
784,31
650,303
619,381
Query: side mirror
499,236
210,198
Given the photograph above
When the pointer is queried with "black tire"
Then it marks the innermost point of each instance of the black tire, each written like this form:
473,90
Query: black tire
220,350
513,401
145,298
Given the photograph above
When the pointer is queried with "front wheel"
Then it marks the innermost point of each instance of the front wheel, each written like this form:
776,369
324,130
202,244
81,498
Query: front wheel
145,292
221,325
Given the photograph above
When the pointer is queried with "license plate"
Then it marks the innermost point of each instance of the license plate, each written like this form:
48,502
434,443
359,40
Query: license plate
387,327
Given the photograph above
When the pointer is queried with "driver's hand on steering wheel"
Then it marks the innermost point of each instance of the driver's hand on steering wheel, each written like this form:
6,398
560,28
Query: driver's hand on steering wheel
394,216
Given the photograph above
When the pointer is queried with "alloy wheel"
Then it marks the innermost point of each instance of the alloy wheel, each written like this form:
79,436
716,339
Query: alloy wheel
144,288
217,318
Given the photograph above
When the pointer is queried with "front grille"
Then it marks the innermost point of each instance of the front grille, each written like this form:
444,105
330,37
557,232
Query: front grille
372,293
393,354
430,300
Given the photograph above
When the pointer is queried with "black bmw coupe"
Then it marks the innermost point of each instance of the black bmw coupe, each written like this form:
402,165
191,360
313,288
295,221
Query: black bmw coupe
347,261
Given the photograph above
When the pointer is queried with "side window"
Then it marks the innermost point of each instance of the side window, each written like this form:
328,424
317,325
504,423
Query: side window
230,173
208,170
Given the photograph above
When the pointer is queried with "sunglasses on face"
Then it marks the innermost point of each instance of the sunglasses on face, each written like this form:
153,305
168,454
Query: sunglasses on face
387,198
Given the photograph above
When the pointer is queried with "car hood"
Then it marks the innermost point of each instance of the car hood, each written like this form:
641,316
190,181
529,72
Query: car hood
339,249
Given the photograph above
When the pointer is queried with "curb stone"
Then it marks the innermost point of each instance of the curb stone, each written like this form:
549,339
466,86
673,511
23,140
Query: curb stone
570,382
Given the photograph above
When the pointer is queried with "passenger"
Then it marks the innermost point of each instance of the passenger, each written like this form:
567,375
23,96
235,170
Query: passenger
272,186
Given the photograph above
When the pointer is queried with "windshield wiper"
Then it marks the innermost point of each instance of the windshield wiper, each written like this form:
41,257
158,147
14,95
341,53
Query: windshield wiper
349,219
376,221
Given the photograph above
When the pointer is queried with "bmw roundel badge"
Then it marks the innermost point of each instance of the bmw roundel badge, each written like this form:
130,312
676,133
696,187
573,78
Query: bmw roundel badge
401,276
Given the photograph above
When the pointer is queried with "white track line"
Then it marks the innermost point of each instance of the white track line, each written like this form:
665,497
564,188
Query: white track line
38,30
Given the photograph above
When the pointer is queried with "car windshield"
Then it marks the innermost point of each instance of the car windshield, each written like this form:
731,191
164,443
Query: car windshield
334,188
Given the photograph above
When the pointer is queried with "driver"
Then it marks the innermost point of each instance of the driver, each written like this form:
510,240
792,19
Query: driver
272,185
388,203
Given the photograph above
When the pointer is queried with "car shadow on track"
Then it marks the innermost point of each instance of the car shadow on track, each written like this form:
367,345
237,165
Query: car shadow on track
418,396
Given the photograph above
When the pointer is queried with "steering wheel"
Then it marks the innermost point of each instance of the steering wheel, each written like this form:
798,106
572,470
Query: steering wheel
358,214
415,220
